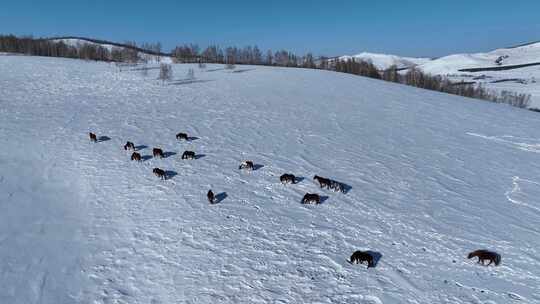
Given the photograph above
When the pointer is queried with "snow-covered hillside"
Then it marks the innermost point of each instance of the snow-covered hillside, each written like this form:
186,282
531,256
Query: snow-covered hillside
507,57
433,177
384,61
75,42
522,79
79,42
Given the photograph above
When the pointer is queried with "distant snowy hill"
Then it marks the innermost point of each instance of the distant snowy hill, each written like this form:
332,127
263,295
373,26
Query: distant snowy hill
80,41
501,57
383,61
514,69
432,177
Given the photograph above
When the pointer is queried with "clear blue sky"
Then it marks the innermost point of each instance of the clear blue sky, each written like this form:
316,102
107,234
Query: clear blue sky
413,28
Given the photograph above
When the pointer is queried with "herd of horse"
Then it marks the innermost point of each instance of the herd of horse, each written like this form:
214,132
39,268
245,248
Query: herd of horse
358,257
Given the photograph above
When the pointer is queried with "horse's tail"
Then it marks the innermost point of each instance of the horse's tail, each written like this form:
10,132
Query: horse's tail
497,259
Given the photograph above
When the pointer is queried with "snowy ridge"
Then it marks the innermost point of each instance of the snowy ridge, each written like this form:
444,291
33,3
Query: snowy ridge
150,56
433,177
384,61
509,56
522,80
524,54
76,42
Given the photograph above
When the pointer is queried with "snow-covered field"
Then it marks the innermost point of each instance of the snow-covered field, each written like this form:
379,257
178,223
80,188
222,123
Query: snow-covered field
433,177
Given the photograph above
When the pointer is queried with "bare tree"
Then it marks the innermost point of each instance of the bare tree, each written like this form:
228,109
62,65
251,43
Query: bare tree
391,74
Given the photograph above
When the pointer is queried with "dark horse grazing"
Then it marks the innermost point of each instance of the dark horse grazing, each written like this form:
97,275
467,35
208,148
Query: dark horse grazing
311,198
359,257
248,165
157,152
129,146
323,182
188,155
181,136
159,173
210,196
93,137
136,156
484,255
287,178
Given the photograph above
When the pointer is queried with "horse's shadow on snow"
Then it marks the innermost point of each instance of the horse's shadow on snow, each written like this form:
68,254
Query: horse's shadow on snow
243,71
324,198
103,138
141,147
168,154
220,197
215,70
376,257
257,167
198,156
146,157
170,174
299,179
190,138
346,188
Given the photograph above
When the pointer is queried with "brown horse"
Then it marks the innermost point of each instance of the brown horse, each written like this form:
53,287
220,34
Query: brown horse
188,155
359,257
159,173
287,178
157,152
210,196
129,146
311,198
248,165
181,136
323,182
93,137
484,255
136,156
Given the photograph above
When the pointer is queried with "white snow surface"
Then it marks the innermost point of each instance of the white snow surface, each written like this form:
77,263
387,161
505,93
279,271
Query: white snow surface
432,177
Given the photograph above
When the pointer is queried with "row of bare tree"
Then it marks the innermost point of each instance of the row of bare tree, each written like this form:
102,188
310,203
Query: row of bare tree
130,52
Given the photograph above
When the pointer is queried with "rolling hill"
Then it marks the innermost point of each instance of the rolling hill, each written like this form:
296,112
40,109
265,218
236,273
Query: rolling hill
432,177
513,69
